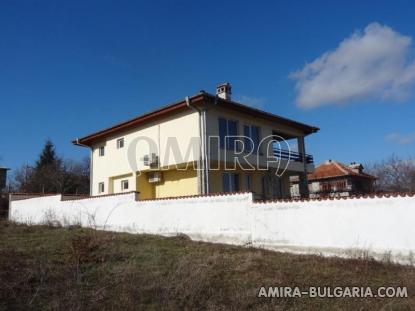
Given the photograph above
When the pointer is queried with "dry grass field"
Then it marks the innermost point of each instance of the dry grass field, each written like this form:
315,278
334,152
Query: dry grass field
48,268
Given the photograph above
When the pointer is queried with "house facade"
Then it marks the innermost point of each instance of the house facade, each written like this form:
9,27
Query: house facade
200,145
335,179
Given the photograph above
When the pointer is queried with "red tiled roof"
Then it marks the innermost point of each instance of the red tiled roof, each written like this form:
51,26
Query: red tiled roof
335,169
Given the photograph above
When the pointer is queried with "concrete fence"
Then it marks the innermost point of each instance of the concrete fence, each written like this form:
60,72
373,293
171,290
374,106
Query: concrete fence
381,227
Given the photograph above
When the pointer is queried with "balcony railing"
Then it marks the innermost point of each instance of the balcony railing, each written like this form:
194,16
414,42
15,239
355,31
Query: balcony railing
292,156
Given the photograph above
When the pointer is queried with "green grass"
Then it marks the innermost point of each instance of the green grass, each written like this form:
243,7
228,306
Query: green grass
78,269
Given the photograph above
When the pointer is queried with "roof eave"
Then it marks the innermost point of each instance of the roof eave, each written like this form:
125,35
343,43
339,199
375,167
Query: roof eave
88,140
307,129
344,175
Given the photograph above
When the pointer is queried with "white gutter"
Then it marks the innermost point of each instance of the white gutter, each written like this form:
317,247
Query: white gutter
205,149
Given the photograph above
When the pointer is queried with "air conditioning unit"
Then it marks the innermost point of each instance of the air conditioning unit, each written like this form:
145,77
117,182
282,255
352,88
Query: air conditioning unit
150,159
154,177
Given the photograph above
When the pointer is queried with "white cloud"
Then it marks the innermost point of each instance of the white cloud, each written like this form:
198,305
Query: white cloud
400,138
256,102
373,64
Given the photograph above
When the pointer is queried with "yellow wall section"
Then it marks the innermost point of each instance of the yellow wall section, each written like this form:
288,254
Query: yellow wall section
145,189
177,183
174,183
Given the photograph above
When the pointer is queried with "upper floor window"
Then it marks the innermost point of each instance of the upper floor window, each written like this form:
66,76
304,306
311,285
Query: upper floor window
101,151
227,128
124,184
230,182
120,143
251,134
101,187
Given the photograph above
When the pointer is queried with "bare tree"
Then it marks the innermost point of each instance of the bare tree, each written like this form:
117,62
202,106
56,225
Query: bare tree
394,174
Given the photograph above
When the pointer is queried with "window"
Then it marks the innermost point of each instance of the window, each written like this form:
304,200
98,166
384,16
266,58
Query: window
276,187
251,134
341,185
230,182
124,184
101,151
227,128
248,182
101,187
326,186
264,184
120,143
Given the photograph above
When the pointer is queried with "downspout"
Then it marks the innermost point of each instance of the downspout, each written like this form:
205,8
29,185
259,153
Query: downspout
91,162
205,149
201,135
301,147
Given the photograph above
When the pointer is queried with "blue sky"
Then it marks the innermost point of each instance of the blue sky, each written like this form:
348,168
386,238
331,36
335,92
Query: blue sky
68,68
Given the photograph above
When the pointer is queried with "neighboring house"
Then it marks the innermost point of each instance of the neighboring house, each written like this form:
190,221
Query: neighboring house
334,179
3,177
156,153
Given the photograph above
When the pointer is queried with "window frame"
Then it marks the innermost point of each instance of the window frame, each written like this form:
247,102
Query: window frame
123,182
233,181
255,148
120,143
101,151
228,144
101,185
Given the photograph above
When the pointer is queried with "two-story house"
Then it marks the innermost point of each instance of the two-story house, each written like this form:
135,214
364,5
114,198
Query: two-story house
200,145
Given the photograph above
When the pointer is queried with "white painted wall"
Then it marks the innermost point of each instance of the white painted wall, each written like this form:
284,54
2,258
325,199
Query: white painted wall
342,227
346,227
222,219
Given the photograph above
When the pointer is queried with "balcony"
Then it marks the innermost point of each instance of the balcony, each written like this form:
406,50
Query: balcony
292,156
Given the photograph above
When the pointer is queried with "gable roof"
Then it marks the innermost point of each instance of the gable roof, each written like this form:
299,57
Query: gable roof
331,169
196,100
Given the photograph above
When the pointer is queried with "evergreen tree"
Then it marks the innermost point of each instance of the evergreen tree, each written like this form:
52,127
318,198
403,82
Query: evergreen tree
53,174
47,156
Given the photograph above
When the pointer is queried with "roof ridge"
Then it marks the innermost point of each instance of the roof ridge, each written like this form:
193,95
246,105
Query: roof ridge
341,166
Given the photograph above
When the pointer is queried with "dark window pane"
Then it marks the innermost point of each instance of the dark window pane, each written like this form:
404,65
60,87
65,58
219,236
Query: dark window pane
248,142
248,182
222,132
255,136
232,128
225,182
235,182
232,131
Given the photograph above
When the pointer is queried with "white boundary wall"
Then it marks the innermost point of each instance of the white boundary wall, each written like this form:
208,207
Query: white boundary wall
379,227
